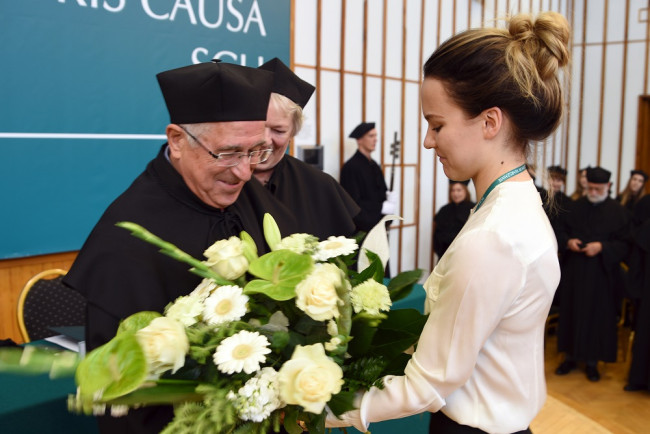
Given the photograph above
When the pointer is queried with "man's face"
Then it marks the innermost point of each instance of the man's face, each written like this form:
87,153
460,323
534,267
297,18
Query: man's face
597,193
368,141
216,185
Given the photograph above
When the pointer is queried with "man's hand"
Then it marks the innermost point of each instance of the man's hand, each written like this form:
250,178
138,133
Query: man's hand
389,206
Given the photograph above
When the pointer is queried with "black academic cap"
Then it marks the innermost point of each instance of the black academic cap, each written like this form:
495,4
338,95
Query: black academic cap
216,92
287,83
362,129
598,175
557,170
639,172
452,182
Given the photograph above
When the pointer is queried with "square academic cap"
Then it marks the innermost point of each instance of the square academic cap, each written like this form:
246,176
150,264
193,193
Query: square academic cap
216,92
287,83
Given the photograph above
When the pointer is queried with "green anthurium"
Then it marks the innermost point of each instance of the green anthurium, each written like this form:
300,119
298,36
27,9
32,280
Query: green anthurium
401,285
137,321
279,273
116,368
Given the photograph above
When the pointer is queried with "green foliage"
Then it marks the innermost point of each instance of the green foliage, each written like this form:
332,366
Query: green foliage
401,285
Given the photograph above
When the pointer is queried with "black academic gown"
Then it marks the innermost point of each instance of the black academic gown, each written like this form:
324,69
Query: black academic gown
640,270
589,286
320,205
364,181
449,220
120,274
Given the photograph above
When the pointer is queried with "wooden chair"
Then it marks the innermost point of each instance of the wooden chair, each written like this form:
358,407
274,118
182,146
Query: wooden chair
46,302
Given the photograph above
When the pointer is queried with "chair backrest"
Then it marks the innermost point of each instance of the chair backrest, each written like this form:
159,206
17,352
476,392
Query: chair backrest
46,302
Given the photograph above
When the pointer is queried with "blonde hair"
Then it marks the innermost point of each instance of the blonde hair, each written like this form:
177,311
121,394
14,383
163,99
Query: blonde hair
289,108
515,69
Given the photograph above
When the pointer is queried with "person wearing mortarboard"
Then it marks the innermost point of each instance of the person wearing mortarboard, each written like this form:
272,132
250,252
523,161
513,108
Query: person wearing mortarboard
320,205
596,236
634,190
364,180
451,217
192,194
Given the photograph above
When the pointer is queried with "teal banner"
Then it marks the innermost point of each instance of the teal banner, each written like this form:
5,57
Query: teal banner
81,110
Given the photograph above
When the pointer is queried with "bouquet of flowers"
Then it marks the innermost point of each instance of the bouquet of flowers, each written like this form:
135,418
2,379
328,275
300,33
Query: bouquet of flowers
262,341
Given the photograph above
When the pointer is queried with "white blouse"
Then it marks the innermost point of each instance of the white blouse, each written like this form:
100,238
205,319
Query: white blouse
480,358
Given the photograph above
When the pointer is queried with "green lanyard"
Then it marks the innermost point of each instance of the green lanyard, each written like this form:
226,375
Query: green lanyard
498,181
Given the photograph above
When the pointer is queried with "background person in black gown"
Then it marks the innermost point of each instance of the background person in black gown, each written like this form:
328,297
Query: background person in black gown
639,375
320,205
596,236
193,193
634,190
450,218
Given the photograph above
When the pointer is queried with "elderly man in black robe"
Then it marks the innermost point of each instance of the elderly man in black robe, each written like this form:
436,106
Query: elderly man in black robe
596,236
193,193
319,204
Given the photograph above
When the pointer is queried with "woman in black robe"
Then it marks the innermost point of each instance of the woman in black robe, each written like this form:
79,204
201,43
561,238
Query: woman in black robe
449,219
639,376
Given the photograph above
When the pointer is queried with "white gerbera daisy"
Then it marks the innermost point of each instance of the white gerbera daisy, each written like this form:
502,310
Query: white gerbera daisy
370,296
225,304
244,351
333,247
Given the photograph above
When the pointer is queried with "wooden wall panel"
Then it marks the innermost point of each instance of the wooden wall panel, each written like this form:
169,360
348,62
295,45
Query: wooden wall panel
14,273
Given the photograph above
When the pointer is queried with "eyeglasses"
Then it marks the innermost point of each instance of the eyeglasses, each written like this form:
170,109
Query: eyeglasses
231,159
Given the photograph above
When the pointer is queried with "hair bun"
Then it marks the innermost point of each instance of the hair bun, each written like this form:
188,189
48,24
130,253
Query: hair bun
546,40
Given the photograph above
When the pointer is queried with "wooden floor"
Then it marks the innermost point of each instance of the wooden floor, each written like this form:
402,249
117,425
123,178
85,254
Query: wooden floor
577,405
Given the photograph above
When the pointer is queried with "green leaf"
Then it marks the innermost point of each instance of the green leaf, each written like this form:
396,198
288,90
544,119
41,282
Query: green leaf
375,270
342,402
280,272
137,321
117,367
408,320
290,424
164,392
401,285
363,330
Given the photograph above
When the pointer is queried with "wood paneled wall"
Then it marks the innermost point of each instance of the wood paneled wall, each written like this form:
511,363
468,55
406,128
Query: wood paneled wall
14,273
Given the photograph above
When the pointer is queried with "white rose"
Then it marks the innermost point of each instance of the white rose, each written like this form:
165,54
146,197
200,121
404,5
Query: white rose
316,294
165,344
226,258
310,378
186,309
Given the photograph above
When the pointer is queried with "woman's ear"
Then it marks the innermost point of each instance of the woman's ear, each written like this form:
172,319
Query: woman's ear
492,122
174,137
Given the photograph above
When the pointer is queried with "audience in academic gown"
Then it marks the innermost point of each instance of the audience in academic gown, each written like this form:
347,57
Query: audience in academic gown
320,205
634,190
450,218
639,270
193,193
596,236
581,184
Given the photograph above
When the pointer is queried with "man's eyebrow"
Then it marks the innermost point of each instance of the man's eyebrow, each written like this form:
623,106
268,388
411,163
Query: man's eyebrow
238,148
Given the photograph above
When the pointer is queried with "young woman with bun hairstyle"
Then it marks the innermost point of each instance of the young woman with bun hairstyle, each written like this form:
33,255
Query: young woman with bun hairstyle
479,363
